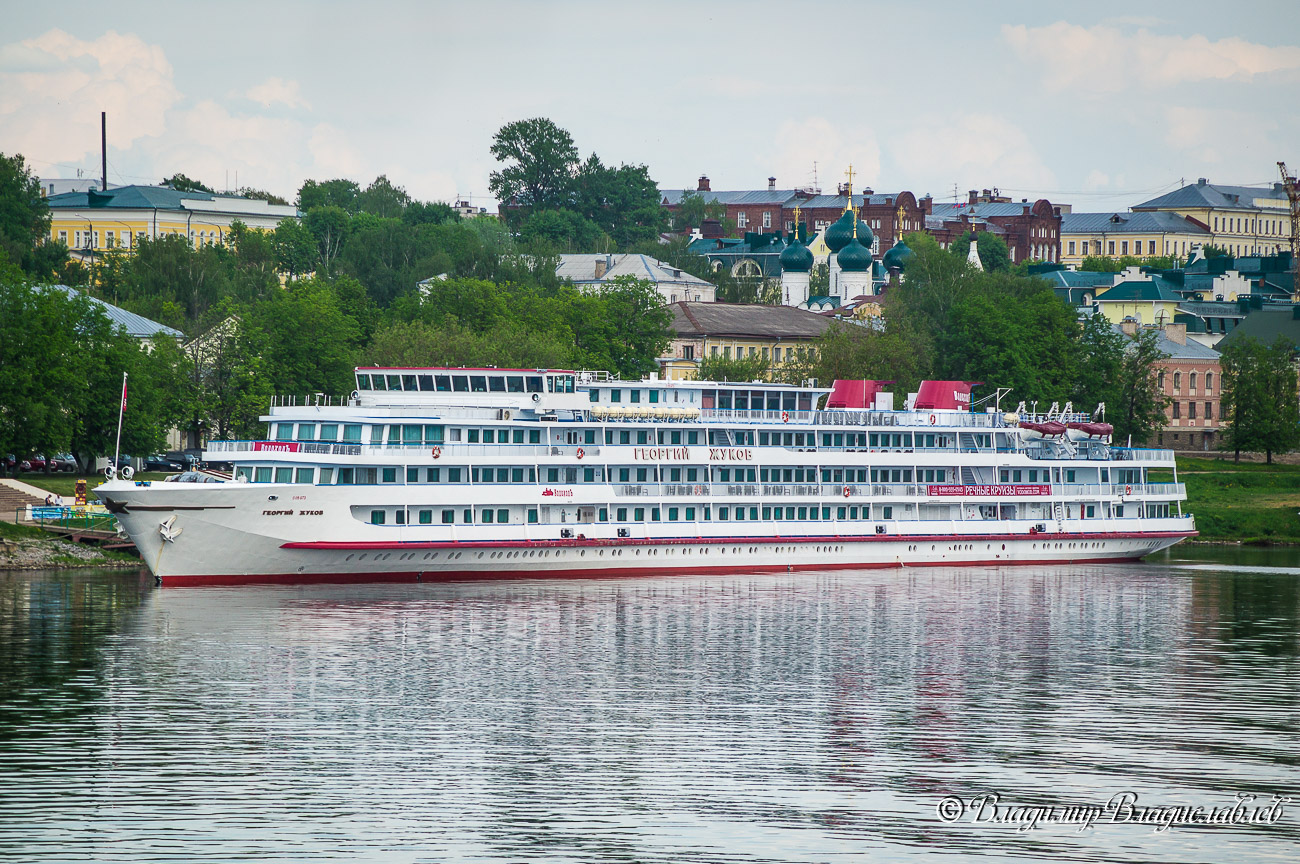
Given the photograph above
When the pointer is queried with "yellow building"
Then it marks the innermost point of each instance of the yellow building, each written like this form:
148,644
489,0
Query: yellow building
1149,301
1242,220
1142,235
778,334
93,221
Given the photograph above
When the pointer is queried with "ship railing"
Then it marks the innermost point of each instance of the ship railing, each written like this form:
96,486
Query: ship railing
1138,454
909,418
788,415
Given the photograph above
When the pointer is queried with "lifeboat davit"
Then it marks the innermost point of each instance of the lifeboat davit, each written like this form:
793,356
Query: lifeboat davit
1034,431
1089,431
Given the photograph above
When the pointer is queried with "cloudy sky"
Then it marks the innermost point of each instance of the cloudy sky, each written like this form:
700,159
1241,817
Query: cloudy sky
1082,103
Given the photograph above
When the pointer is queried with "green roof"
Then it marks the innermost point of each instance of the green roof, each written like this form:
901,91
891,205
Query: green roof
1148,292
1267,325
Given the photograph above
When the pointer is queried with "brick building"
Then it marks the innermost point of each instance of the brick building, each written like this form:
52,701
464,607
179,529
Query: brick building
1191,378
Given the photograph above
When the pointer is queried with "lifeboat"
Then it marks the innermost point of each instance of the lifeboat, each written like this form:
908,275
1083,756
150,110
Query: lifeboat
1035,431
1089,431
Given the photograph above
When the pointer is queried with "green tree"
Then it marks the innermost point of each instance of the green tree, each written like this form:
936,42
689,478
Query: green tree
296,252
181,183
1258,405
167,275
262,195
720,368
565,231
330,226
1099,264
344,194
623,201
541,161
306,342
416,343
1140,412
991,248
25,220
623,327
693,209
429,213
383,199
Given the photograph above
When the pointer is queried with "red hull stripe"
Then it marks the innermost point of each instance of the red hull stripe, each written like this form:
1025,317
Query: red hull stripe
366,545
195,580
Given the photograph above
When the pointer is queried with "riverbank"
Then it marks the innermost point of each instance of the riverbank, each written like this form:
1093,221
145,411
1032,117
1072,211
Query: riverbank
1247,502
23,547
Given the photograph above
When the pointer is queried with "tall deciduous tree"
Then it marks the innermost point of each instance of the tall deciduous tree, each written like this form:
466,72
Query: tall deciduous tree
1258,405
25,220
340,193
383,199
541,161
1140,413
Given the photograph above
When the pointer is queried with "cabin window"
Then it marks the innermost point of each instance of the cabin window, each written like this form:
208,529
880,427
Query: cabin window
442,383
534,383
390,475
1069,476
408,384
460,383
306,431
469,516
654,396
489,436
448,517
473,436
516,475
486,515
283,475
426,383
263,475
433,434
552,475
532,515
654,514
326,476
514,383
1004,476
305,475
426,517
496,384
615,395
395,382
377,382
517,435
590,436
345,476
690,514
534,436
672,514
376,517
503,516
635,395
411,434
401,517
394,435
351,433
887,512
329,431
284,432
363,382
412,475
593,395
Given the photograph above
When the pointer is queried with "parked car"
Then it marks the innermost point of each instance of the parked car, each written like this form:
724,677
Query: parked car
13,464
37,463
159,462
67,462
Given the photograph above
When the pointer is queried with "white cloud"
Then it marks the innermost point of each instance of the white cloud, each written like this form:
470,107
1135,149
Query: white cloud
1105,59
53,87
977,151
277,90
1096,180
333,156
833,146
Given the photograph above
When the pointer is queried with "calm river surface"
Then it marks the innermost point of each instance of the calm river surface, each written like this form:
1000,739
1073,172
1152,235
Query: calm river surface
806,717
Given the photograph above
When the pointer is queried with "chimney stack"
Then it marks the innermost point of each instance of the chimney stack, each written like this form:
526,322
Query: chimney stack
704,184
600,267
973,197
771,183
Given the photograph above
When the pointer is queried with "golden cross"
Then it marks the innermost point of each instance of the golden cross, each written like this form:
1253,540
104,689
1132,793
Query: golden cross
796,221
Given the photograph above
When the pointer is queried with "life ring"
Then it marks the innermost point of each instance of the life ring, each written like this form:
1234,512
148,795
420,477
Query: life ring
847,492
437,452
1128,490
785,416
581,452
931,419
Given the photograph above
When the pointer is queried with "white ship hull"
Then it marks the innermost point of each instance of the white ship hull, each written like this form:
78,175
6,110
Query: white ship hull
226,539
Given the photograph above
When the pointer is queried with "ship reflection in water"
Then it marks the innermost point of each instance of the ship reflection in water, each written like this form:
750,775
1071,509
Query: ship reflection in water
804,717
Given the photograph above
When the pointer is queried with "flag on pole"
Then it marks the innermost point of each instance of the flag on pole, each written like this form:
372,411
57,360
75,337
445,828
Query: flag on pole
124,393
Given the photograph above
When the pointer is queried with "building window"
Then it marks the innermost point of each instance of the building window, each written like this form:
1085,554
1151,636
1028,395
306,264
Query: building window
742,219
1111,247
688,352
1071,245
1209,383
767,219
1178,382
1123,247
1151,247
1178,410
1191,410
1191,381
1209,410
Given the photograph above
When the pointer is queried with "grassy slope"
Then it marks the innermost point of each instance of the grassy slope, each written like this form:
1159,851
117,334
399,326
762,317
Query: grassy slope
66,484
1249,502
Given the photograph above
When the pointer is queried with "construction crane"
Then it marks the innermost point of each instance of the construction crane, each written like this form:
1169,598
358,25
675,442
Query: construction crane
1288,183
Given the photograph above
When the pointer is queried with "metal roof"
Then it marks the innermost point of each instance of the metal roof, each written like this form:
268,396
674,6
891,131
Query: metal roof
1266,325
775,197
1203,194
737,319
581,270
1129,223
1078,278
985,210
135,325
161,197
1176,350
1141,291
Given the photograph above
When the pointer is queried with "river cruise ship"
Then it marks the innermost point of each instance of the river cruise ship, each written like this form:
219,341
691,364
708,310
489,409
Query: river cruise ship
442,473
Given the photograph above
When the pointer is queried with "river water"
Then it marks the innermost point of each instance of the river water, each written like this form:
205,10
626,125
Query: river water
805,717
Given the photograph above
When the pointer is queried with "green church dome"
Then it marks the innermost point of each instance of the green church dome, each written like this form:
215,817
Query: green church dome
841,232
899,256
854,258
796,258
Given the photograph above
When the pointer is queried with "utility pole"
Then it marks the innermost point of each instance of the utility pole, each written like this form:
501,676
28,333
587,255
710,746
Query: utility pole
103,149
1288,184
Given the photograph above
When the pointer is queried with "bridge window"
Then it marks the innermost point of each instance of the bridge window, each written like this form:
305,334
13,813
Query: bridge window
496,384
